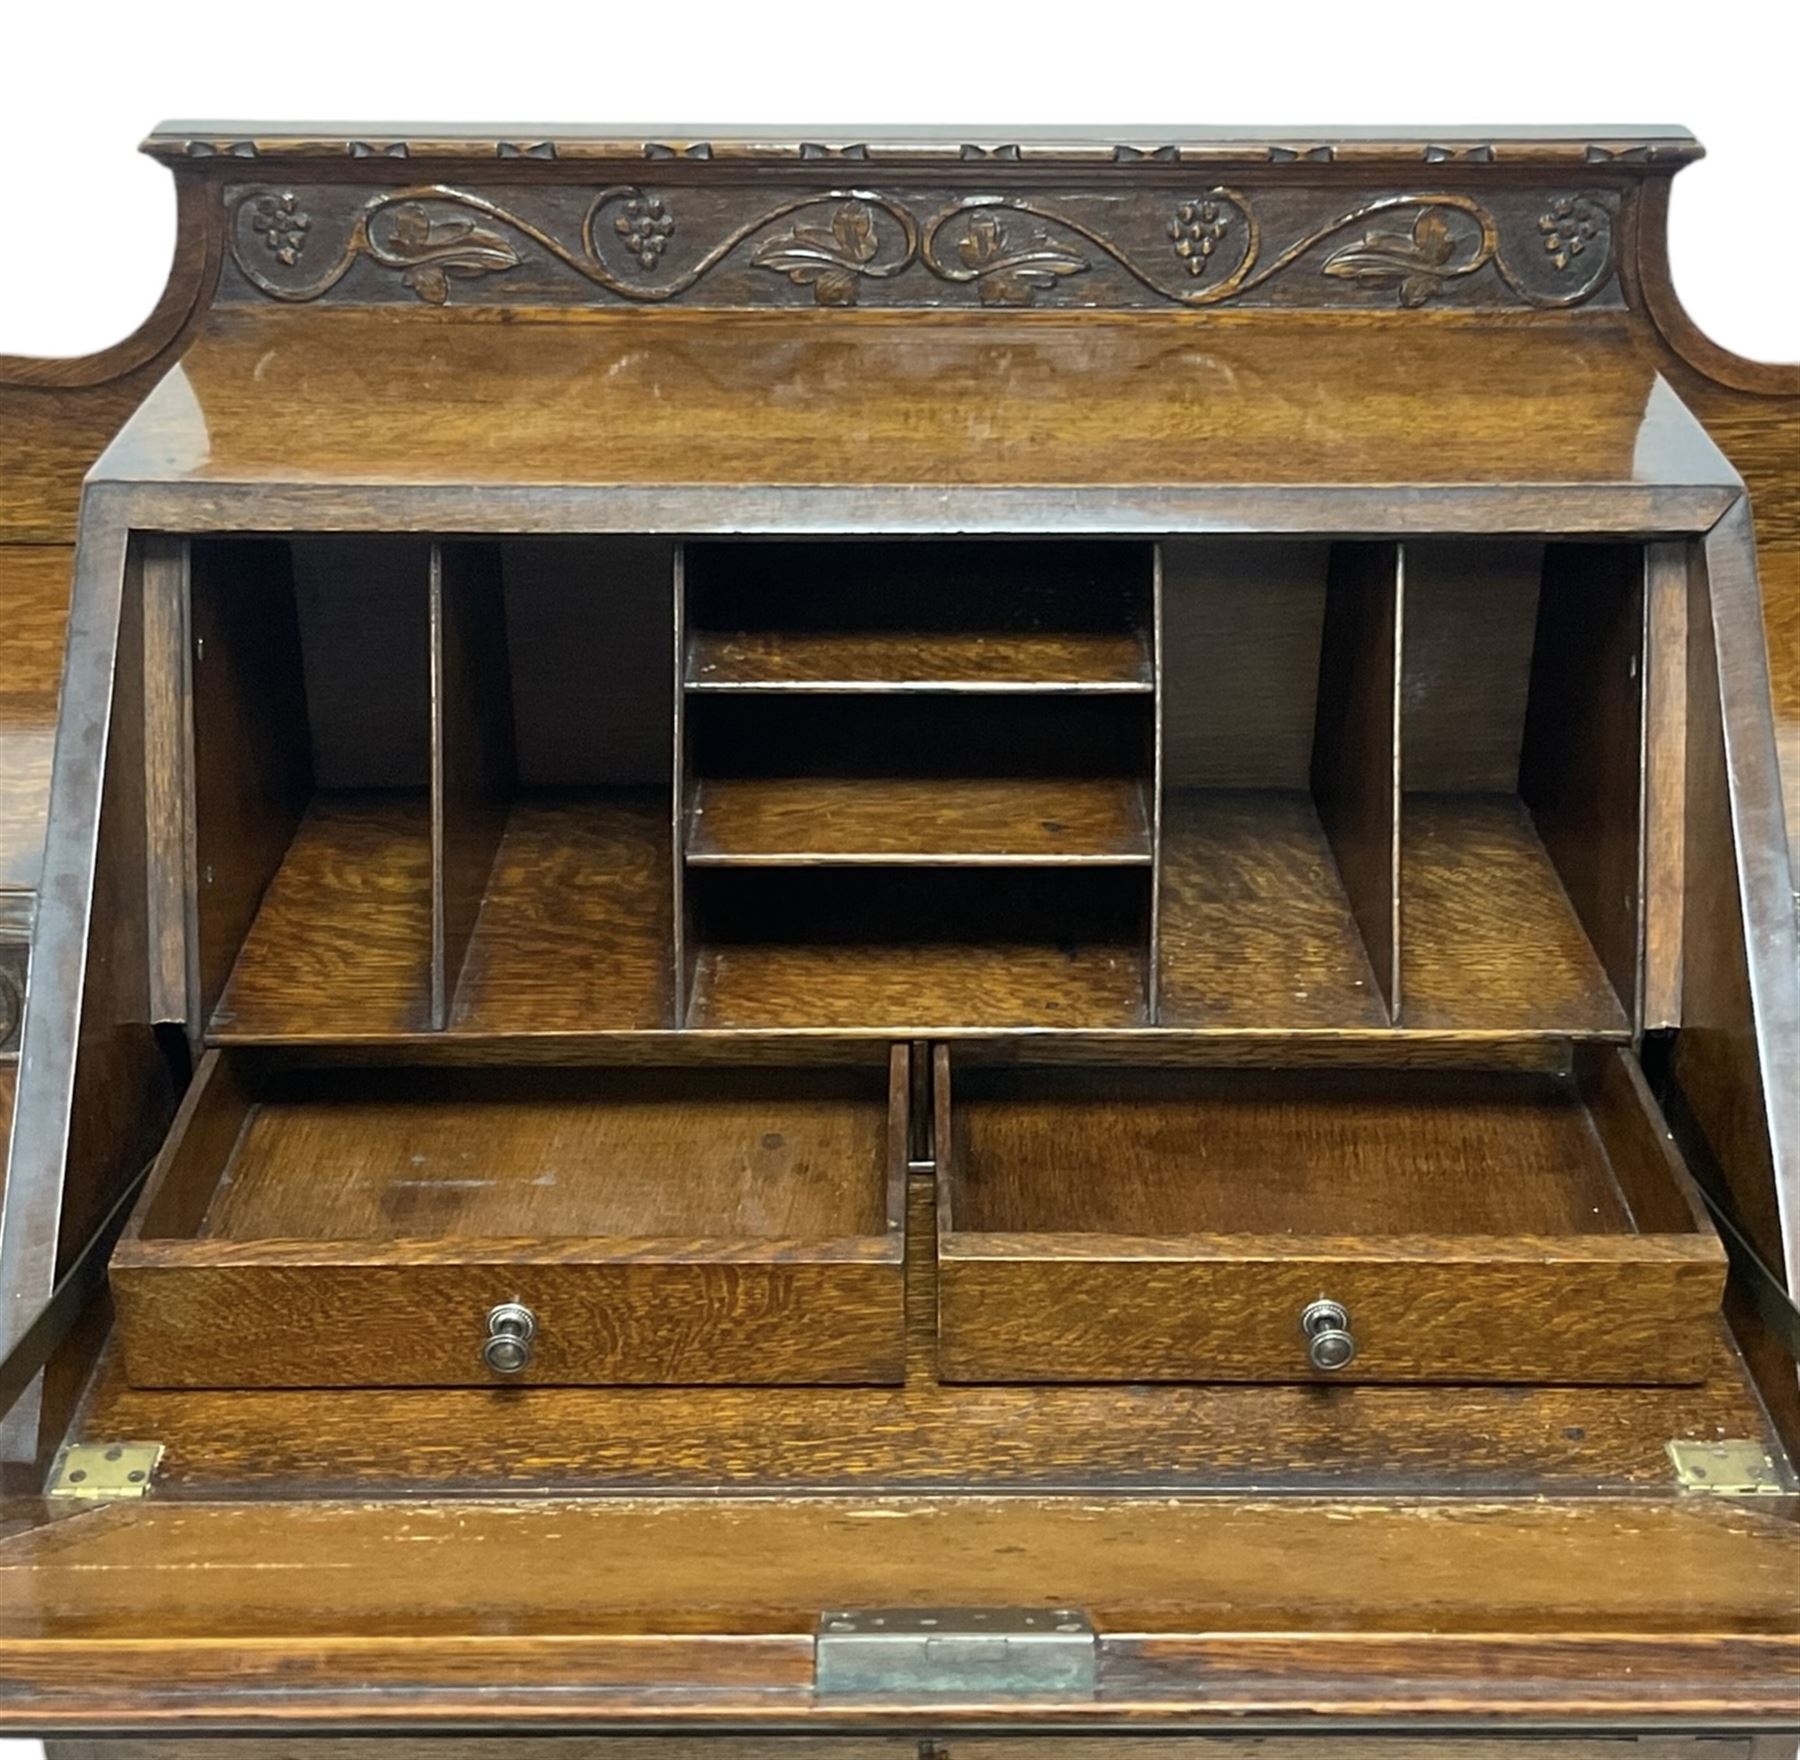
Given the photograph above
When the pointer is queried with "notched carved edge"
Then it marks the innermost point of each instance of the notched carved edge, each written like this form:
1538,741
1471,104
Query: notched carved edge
181,143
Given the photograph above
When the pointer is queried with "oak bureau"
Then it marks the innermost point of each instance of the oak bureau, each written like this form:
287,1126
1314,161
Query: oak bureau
852,946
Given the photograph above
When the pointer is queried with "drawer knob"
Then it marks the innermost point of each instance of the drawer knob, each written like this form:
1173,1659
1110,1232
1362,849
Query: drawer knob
1329,1342
511,1328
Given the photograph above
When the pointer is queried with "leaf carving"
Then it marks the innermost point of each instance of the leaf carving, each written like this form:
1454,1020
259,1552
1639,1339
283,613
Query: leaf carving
428,284
829,262
438,249
1417,263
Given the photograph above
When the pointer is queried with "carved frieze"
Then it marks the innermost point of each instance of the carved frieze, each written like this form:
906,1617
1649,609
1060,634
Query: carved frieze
750,245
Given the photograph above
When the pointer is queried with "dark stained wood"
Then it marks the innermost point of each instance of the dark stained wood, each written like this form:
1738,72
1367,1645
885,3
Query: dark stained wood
252,760
587,634
1740,984
693,1227
94,1088
1471,616
1242,620
1581,771
961,820
829,661
1256,930
1175,1227
363,606
1356,748
1490,934
473,767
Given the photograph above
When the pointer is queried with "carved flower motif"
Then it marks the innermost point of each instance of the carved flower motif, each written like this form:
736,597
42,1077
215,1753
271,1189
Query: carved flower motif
1197,231
283,224
1569,228
645,227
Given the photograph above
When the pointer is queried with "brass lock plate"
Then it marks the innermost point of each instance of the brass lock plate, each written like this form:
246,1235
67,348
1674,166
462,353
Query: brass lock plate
956,1653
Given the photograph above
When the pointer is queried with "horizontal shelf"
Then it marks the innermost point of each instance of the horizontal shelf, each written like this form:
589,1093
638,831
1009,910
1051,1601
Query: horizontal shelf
914,821
846,661
1256,929
889,987
1489,938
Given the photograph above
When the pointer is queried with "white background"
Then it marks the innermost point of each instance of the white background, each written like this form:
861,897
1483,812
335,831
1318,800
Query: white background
88,226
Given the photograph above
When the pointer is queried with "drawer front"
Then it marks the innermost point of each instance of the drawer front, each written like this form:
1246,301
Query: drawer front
957,1747
1407,1317
1167,1225
452,1228
437,1325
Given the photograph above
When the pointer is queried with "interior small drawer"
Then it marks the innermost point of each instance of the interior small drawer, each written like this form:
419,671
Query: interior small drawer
1347,1225
446,1227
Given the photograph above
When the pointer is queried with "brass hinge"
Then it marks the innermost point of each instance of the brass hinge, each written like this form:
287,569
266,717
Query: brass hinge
104,1472
1734,1468
955,1653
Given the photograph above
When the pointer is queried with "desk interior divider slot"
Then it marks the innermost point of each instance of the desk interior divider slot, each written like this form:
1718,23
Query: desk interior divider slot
474,767
312,743
1278,729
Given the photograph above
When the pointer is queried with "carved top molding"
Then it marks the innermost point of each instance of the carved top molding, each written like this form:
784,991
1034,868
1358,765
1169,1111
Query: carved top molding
1628,149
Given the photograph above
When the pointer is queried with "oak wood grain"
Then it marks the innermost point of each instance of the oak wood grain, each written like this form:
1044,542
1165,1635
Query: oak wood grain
342,943
950,820
920,660
1282,1607
1085,403
1175,1226
574,931
702,1226
1256,929
1490,934
34,586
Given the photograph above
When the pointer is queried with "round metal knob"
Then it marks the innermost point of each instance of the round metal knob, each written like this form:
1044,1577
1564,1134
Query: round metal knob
1329,1342
511,1328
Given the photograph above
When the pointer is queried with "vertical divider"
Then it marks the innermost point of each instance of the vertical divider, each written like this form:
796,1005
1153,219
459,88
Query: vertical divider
473,766
1356,745
682,938
1153,978
168,783
1582,759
